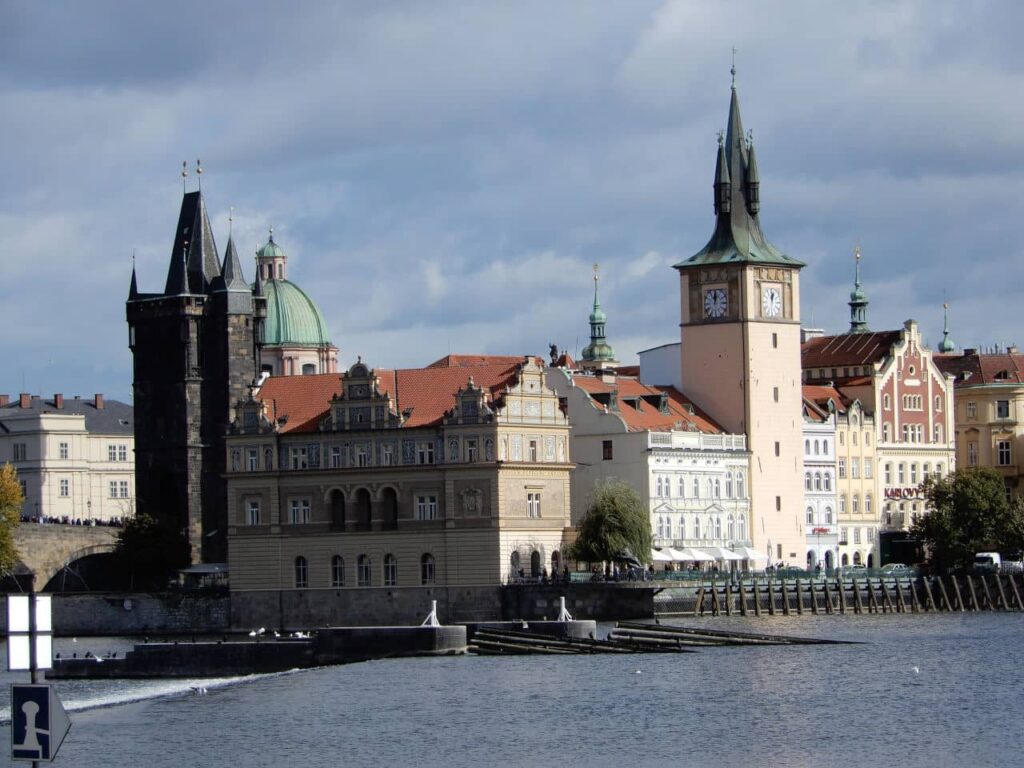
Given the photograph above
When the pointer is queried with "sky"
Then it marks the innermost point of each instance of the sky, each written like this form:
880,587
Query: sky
443,175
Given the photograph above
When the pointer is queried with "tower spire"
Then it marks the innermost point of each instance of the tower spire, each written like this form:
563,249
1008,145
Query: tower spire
858,300
599,353
133,289
946,346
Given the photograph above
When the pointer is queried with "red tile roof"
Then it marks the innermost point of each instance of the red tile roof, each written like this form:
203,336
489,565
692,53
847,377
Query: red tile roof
471,361
974,368
425,394
820,395
847,349
649,416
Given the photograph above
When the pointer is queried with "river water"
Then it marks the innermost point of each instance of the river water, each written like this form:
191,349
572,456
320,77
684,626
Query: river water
815,706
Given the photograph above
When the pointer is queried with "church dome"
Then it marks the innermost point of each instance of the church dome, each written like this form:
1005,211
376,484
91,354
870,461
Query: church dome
271,250
293,319
598,350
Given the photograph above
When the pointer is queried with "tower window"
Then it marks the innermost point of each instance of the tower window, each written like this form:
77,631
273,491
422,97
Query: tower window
775,341
777,451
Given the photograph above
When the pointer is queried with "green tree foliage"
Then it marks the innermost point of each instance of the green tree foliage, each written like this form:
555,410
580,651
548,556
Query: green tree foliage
968,513
11,500
615,525
151,550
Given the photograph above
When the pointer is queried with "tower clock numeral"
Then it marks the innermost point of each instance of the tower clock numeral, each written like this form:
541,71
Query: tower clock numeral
771,302
716,303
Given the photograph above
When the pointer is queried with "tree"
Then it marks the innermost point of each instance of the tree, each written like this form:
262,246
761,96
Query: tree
11,499
615,526
151,550
968,513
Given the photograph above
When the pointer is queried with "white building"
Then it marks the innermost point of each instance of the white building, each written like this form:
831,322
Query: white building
74,457
692,476
820,498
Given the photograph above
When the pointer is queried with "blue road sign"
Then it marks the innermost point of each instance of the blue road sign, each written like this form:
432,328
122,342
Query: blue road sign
38,722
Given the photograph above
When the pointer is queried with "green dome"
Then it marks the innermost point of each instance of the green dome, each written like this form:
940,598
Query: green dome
858,295
598,350
292,317
270,250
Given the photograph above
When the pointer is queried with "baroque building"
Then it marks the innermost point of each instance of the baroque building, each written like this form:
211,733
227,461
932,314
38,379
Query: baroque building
452,475
819,460
73,456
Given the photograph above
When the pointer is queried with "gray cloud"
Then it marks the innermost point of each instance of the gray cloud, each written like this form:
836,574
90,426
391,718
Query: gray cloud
444,175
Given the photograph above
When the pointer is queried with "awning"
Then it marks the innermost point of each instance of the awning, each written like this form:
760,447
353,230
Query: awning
660,557
721,553
691,554
749,553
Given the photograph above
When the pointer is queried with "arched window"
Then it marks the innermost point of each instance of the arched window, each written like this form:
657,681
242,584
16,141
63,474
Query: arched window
301,573
390,571
856,558
856,504
427,568
731,528
268,459
886,402
828,481
337,571
807,447
817,481
846,560
337,510
682,487
363,513
741,490
828,515
364,571
718,488
810,516
718,527
696,487
515,564
696,527
743,528
728,485
535,563
842,504
816,448
867,503
807,481
886,432
389,508
556,562
824,447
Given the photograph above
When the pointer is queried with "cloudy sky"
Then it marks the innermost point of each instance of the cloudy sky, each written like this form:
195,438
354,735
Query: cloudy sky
443,175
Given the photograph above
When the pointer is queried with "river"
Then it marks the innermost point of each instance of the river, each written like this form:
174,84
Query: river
920,690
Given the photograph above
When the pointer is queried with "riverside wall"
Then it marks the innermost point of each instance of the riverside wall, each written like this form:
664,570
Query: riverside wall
135,614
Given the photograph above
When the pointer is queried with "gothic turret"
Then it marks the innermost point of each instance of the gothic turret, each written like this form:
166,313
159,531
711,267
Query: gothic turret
598,353
858,301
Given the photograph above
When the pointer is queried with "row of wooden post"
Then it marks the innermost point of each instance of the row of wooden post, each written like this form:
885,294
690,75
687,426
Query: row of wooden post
873,595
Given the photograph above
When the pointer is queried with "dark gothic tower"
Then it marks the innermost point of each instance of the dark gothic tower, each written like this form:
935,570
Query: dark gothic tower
196,353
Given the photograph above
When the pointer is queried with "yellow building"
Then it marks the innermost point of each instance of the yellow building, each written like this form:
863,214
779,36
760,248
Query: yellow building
452,475
989,393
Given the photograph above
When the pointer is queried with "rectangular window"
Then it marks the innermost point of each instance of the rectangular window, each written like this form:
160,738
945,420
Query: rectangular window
252,516
842,468
533,450
299,457
335,457
426,507
1002,409
387,455
254,460
122,488
777,452
842,536
972,410
362,459
64,450
856,535
471,450
65,488
867,504
299,511
888,474
20,452
24,489
424,453
113,489
913,473
775,394
972,454
1003,453
855,468
902,473
842,504
606,450
533,504
122,452
775,341
111,453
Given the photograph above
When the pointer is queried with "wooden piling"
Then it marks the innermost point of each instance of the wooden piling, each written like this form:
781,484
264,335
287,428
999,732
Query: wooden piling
872,602
858,605
771,599
743,600
1016,594
1002,594
915,604
828,598
974,595
757,600
901,605
785,597
841,589
799,599
886,600
959,595
699,608
727,597
988,595
930,601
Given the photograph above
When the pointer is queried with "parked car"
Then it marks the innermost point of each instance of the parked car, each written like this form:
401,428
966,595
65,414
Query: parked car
987,562
853,570
896,568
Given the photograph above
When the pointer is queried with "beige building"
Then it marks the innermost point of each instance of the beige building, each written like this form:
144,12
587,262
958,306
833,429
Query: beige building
454,474
74,457
989,394
740,344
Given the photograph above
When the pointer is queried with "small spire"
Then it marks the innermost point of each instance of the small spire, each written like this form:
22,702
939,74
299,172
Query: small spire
133,289
858,299
199,173
257,286
947,345
733,70
271,233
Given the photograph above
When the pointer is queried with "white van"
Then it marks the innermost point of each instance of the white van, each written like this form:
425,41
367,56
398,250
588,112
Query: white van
987,562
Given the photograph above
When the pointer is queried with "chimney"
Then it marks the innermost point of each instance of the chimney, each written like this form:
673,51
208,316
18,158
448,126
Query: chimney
25,400
99,401
58,401
1012,350
4,400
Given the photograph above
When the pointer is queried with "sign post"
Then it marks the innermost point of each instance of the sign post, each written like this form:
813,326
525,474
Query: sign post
38,720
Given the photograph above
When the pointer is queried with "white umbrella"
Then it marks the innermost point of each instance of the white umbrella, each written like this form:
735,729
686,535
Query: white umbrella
721,553
749,553
690,553
660,557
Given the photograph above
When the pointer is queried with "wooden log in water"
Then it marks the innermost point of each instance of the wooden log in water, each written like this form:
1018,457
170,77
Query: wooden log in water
872,602
699,608
930,601
841,589
1016,594
771,599
915,603
886,600
988,595
858,605
1002,593
743,600
757,600
956,591
901,605
974,595
785,597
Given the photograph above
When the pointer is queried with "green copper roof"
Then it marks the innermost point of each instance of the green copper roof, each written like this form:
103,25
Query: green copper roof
270,250
737,238
292,317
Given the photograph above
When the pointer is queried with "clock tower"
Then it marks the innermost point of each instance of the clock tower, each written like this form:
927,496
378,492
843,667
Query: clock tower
740,343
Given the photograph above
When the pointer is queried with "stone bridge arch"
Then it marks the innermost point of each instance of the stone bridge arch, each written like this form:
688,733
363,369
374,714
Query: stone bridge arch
45,550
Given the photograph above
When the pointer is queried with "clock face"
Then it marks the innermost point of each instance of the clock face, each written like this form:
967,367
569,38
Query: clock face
715,302
771,302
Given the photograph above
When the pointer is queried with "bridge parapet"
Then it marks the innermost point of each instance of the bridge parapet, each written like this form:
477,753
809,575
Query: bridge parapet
45,548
